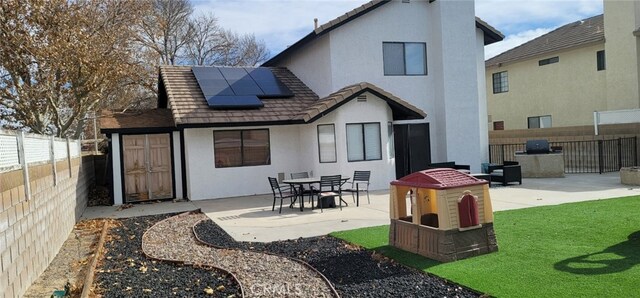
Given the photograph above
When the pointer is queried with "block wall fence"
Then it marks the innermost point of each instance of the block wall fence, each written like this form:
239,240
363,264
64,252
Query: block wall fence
44,186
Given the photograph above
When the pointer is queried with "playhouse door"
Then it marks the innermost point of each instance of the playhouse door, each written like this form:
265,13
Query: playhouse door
147,167
412,147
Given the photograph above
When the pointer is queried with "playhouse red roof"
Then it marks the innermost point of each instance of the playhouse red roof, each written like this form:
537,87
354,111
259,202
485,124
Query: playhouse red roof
438,179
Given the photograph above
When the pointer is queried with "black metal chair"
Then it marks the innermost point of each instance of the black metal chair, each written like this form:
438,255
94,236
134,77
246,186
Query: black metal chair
509,171
289,193
311,191
359,182
330,187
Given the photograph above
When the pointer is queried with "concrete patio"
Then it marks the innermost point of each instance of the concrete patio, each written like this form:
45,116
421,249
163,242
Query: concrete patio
251,219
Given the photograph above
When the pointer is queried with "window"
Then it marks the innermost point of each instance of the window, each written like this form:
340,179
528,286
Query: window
498,125
548,61
539,122
500,82
363,142
327,143
237,148
404,58
602,65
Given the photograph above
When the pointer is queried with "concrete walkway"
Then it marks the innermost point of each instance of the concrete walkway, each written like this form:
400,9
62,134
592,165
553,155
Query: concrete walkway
251,219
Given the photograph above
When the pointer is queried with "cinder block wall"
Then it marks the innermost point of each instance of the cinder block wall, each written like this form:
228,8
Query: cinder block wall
32,230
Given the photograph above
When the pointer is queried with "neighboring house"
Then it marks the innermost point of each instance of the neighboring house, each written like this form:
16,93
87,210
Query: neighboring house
213,135
559,79
428,53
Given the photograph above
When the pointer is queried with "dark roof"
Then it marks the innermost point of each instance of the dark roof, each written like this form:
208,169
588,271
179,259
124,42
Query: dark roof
491,35
438,179
579,33
190,109
122,121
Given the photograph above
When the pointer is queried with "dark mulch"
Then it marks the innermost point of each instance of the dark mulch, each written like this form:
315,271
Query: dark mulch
354,272
126,272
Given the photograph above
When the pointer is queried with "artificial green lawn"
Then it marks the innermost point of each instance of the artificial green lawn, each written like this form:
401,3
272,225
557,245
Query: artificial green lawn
586,249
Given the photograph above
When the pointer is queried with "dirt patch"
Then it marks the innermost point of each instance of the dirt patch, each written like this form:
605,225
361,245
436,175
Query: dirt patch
71,262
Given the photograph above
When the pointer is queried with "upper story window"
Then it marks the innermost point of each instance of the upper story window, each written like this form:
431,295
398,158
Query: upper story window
539,121
548,61
404,58
602,65
238,148
327,143
363,142
500,82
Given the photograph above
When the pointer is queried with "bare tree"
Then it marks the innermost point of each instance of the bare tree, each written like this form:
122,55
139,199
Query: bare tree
167,30
61,59
212,45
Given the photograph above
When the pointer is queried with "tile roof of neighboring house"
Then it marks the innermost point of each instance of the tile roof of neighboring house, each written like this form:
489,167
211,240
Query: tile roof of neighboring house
583,32
190,108
157,118
491,35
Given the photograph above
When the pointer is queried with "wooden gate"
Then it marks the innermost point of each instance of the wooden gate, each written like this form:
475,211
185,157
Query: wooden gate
147,167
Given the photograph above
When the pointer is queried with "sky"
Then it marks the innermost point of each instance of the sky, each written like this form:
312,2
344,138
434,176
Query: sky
280,23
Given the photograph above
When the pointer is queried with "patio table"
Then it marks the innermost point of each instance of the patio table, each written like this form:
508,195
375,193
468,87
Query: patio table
301,182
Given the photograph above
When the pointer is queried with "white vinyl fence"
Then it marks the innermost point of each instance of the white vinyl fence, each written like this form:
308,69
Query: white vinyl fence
19,149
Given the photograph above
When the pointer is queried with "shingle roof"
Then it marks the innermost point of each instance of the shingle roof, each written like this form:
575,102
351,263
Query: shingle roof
156,118
491,35
189,107
583,32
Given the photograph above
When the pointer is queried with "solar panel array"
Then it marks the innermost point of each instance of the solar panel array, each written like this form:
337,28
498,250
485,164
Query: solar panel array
238,88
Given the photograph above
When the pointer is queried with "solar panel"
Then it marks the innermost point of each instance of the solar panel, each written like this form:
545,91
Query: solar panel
267,81
234,102
238,88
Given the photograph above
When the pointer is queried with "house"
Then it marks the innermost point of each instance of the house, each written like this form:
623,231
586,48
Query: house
430,53
559,79
220,131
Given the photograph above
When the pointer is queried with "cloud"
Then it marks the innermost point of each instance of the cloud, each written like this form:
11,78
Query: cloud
278,23
512,41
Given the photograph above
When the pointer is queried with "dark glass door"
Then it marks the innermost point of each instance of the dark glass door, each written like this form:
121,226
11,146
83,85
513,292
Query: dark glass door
412,148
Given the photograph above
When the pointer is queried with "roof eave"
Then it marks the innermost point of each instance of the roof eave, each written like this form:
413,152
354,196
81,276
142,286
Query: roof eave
488,63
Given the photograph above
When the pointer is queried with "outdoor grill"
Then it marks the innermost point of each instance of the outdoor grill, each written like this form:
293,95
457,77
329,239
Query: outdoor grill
537,147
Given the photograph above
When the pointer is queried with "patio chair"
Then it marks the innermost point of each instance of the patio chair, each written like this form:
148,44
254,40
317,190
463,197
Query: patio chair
509,171
311,191
330,187
359,183
289,193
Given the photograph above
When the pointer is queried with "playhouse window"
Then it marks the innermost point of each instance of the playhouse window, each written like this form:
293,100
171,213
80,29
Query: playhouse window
237,148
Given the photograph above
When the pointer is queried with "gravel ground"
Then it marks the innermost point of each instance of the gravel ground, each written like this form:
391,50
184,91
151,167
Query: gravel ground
126,272
262,275
354,272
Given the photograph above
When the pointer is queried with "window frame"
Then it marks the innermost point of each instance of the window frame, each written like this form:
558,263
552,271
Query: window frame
335,151
601,60
364,141
241,149
539,121
404,58
503,88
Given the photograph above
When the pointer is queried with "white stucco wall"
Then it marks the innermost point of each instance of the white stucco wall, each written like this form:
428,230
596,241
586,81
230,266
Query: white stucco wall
312,65
448,93
294,148
117,169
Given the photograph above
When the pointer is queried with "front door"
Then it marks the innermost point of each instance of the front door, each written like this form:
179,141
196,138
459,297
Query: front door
147,167
412,148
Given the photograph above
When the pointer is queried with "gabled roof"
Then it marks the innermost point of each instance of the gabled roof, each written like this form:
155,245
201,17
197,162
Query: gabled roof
491,35
438,179
401,109
189,107
579,33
